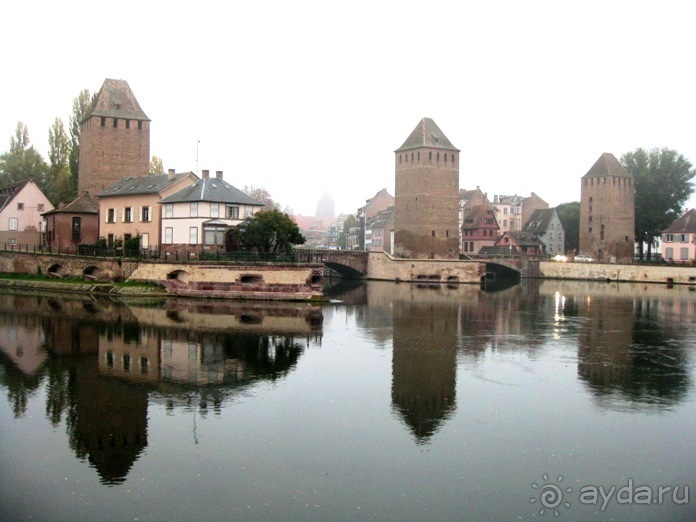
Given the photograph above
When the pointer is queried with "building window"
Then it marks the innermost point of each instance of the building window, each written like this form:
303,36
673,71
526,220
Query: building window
128,215
13,241
110,240
214,210
140,125
40,207
194,209
146,214
232,212
115,123
145,240
214,235
601,233
169,235
20,206
127,124
669,253
684,254
193,235
76,228
169,210
684,238
13,224
103,121
111,215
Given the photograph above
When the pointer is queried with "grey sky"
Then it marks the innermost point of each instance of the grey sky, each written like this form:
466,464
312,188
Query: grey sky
303,97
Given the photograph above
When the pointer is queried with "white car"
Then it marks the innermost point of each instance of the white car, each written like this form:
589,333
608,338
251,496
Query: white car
560,258
584,259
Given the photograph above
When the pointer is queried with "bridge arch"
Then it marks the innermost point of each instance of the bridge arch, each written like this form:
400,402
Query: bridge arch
502,270
57,270
344,270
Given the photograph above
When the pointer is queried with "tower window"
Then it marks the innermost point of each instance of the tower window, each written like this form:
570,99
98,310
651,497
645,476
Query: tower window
430,156
103,121
438,157
127,124
399,158
412,157
433,233
445,158
140,125
452,158
418,155
115,122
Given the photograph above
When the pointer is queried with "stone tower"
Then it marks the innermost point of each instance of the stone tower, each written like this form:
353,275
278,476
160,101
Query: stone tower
114,139
426,206
607,211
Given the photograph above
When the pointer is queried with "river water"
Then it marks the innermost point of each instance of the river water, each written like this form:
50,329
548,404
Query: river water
392,402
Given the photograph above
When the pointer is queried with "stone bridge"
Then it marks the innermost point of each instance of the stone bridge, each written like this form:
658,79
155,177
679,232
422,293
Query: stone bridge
348,263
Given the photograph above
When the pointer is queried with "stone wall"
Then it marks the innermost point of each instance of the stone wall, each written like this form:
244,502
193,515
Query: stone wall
382,266
617,272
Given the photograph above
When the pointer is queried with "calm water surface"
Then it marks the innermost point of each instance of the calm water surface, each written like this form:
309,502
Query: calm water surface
393,402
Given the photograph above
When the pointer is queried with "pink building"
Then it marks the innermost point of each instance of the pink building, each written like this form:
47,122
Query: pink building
21,206
679,240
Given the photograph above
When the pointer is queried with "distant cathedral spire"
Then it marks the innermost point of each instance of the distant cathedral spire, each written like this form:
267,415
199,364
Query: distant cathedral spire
326,207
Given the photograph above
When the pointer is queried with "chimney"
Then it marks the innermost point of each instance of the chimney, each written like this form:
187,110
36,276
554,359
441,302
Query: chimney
205,174
218,174
170,174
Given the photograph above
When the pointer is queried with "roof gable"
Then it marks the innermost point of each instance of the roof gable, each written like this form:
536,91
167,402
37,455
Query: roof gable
116,100
607,165
8,192
427,134
476,217
539,221
684,225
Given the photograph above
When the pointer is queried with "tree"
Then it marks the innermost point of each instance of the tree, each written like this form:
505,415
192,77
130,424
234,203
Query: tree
270,231
350,222
262,195
22,161
662,184
82,106
156,165
569,214
59,185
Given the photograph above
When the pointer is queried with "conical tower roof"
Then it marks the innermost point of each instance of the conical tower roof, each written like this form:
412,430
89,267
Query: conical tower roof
607,165
116,100
427,134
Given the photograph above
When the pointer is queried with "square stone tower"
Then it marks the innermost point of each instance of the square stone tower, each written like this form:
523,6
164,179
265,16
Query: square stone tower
607,211
426,206
114,139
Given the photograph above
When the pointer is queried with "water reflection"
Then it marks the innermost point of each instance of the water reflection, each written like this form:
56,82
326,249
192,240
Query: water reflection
102,361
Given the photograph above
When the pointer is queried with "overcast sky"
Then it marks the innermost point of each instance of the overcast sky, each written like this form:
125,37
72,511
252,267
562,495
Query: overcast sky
305,97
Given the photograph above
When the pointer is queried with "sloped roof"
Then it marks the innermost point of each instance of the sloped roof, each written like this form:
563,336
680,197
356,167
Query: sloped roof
213,190
684,225
152,184
382,217
116,100
607,165
539,221
427,134
476,216
82,204
8,192
522,239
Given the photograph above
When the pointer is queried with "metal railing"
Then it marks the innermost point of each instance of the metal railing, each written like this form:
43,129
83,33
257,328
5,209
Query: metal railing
192,254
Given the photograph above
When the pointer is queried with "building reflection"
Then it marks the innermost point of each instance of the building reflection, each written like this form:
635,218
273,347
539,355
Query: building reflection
630,353
104,361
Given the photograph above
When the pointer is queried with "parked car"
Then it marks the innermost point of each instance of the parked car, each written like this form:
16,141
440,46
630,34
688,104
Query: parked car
584,259
559,257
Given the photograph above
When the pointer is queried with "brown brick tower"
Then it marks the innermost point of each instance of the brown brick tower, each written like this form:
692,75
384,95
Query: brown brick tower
114,139
607,211
426,207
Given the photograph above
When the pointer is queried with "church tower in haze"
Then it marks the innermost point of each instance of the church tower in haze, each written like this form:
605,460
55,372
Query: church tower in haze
426,206
114,139
607,210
